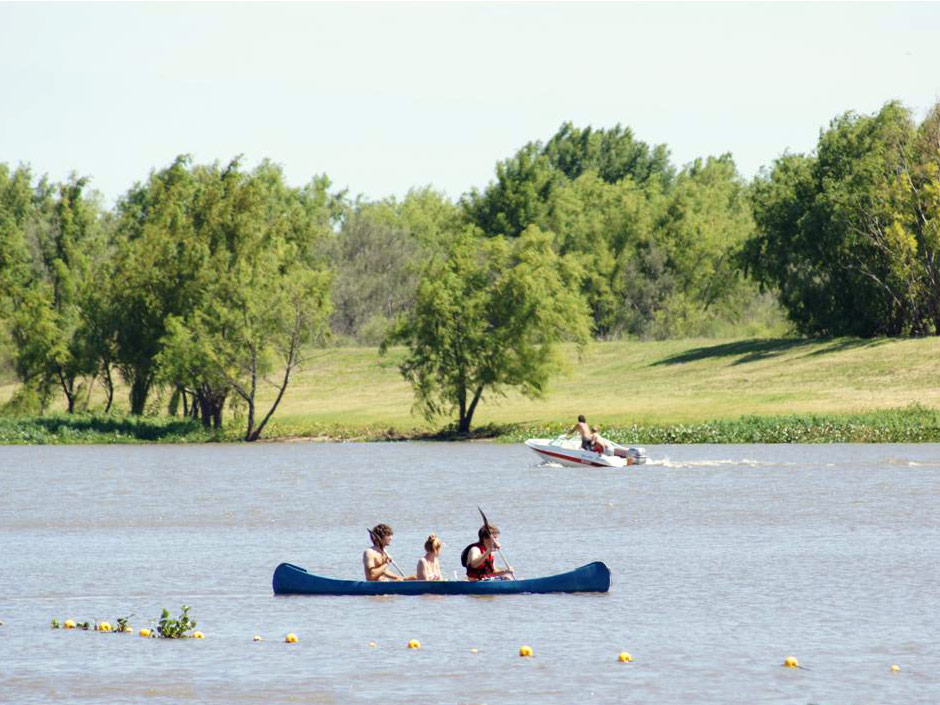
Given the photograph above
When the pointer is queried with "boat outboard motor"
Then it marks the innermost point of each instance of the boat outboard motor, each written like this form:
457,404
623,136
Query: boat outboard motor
634,455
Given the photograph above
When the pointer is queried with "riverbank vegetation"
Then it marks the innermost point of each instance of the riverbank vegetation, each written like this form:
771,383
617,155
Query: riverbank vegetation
759,390
215,301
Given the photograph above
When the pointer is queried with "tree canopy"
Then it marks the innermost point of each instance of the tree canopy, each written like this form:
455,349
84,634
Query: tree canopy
203,288
848,235
486,316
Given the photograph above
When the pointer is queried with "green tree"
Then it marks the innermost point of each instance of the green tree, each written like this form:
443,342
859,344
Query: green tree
263,295
485,319
706,222
48,290
525,182
378,255
614,154
18,212
848,235
157,263
607,227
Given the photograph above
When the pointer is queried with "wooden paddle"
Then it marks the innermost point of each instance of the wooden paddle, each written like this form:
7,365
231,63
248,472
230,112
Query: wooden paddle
377,542
488,526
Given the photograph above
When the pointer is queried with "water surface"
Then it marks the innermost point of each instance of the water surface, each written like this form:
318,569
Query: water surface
725,559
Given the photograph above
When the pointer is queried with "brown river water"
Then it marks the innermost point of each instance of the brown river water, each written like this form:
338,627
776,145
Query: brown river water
724,560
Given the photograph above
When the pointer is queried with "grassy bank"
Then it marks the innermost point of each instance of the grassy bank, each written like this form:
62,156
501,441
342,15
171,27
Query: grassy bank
650,392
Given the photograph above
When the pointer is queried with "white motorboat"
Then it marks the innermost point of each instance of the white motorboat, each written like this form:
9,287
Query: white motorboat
568,451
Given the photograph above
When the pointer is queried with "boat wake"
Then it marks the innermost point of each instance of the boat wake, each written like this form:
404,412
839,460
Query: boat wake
907,463
713,463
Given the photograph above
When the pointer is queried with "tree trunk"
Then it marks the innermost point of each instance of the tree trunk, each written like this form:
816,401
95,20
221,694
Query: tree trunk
473,405
292,361
466,412
463,420
211,402
140,389
68,388
109,387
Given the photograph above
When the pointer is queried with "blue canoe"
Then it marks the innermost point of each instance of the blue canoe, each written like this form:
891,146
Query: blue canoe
290,579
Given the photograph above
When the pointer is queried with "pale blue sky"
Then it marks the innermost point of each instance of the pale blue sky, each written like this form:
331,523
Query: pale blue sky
383,97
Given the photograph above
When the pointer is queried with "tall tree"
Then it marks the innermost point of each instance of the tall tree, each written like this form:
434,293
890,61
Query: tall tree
157,263
263,293
486,317
47,302
377,256
525,182
848,235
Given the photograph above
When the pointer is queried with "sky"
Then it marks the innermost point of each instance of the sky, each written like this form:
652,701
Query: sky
383,97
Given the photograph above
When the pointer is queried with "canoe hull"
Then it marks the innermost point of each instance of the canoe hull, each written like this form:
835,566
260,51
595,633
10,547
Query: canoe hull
290,579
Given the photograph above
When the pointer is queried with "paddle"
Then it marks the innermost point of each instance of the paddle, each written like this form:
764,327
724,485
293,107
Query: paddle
487,524
377,542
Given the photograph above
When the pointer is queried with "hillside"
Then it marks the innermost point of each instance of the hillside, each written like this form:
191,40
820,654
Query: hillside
625,383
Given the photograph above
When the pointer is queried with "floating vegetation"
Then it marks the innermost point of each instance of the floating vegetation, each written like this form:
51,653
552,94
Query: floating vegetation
912,424
167,628
175,628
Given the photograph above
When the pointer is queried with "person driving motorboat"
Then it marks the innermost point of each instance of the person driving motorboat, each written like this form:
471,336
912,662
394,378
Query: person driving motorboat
582,428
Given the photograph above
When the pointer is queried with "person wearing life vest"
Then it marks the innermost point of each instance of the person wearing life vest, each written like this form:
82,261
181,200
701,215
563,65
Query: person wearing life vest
480,558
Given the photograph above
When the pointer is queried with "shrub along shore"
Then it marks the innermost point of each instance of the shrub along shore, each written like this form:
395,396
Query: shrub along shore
913,424
689,391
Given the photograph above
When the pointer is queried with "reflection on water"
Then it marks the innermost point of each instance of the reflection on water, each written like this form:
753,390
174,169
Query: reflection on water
725,559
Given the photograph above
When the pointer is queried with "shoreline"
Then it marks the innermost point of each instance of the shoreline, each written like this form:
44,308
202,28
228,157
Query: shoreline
912,424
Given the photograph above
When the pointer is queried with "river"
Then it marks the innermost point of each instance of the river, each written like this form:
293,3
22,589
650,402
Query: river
724,560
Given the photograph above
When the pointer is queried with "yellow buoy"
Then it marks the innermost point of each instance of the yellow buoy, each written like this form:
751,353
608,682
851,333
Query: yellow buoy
525,650
414,644
291,638
104,627
69,624
145,632
895,667
256,638
372,644
474,650
625,657
198,635
791,662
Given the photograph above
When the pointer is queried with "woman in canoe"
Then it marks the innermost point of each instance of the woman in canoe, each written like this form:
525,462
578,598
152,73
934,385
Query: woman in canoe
375,560
429,568
480,558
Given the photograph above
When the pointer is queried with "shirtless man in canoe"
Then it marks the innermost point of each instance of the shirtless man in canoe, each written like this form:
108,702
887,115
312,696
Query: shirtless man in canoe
375,561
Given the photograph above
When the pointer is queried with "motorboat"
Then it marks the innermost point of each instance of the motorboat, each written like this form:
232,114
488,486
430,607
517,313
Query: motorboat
568,451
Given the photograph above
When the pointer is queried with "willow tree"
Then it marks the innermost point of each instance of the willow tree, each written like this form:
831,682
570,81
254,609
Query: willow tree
263,294
157,263
486,318
849,235
48,282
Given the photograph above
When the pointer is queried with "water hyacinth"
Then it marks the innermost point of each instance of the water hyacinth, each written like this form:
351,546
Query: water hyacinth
912,424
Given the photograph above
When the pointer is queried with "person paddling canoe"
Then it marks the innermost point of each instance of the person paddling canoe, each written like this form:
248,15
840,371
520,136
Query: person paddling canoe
375,560
480,558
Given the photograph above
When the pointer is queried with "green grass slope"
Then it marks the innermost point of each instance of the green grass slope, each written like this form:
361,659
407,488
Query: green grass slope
354,392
